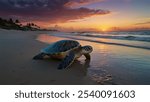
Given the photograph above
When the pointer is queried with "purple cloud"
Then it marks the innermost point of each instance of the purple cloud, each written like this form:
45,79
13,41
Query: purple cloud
53,11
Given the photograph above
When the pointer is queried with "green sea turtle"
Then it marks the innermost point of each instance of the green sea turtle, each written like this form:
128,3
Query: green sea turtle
67,50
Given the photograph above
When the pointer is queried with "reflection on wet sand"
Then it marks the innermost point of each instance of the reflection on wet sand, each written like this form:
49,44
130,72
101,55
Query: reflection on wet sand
48,39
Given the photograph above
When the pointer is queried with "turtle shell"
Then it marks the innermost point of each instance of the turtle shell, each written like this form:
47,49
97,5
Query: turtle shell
60,46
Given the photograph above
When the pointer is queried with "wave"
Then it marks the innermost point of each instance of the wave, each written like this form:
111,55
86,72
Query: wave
121,37
134,44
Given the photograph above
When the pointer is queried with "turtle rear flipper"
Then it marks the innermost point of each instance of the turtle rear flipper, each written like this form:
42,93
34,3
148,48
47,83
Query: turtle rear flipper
67,61
39,56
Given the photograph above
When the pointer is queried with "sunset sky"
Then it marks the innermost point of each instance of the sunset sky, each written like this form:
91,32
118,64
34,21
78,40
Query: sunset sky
101,15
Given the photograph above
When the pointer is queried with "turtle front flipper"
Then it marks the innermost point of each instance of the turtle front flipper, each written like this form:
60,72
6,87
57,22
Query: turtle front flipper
67,61
88,57
40,56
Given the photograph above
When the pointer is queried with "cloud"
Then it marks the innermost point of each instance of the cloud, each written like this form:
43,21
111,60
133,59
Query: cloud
143,23
53,11
74,3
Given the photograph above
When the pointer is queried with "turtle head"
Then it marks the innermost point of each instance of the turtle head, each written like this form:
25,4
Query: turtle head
87,49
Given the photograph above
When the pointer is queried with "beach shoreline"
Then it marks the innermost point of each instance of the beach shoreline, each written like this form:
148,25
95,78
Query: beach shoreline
110,64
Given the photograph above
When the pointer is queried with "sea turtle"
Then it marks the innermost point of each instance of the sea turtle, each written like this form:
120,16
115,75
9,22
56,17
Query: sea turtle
67,50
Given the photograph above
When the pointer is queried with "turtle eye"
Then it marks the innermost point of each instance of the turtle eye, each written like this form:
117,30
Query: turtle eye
90,48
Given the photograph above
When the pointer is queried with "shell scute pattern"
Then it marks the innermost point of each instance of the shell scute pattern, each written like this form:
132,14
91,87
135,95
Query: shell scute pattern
61,46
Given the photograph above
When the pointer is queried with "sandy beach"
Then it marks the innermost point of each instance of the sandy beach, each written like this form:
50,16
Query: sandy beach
17,66
110,64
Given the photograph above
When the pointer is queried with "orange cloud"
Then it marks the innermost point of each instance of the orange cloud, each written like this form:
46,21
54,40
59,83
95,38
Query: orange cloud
143,23
74,3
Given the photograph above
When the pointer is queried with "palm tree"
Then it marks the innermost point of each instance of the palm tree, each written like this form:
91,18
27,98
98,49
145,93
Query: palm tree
17,21
10,20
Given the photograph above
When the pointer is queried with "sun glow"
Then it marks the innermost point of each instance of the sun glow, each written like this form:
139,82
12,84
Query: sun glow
104,28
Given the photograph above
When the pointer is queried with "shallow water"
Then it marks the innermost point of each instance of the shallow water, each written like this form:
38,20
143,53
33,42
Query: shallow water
112,64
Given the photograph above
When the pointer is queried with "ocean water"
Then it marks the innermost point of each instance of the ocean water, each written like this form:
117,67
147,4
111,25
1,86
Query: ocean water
134,35
137,39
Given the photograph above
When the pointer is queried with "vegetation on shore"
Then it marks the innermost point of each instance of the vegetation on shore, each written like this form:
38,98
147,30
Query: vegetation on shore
11,24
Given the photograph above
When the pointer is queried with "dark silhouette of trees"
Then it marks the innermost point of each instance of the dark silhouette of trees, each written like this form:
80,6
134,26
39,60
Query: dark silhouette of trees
16,25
